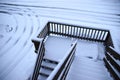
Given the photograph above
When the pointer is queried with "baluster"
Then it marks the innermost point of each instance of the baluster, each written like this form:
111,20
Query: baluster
91,34
94,35
60,28
79,32
57,28
103,35
65,29
88,33
50,27
97,35
53,27
68,29
85,33
71,31
82,33
74,31
100,35
106,33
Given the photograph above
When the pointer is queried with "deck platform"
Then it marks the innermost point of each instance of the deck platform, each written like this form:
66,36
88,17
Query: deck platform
87,64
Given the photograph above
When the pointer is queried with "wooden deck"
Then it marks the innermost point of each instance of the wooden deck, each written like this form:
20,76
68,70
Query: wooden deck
87,64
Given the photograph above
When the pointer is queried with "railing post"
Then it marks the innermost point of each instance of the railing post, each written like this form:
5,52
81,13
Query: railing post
48,25
108,40
36,42
41,52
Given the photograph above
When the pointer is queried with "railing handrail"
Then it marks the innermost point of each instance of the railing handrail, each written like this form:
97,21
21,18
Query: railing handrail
113,52
112,62
57,71
41,52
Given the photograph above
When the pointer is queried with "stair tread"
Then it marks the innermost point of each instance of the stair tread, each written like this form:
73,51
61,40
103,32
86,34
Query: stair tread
43,74
50,60
47,67
50,65
45,71
40,77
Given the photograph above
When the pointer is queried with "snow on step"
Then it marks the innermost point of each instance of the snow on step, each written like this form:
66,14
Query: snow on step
51,65
42,77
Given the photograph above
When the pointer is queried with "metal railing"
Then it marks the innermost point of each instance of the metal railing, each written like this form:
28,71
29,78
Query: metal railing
61,70
41,52
112,62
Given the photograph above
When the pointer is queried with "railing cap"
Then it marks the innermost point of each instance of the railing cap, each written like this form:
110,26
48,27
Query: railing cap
114,50
37,39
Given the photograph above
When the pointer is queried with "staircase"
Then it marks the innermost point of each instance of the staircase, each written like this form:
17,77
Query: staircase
72,67
47,67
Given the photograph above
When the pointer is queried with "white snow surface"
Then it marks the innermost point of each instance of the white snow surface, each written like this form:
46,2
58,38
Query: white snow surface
88,62
19,24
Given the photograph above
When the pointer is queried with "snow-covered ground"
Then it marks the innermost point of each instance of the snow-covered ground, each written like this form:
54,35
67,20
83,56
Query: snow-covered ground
18,24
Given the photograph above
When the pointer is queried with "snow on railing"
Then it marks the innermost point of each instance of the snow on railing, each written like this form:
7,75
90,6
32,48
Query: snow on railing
86,33
41,52
112,62
91,34
61,70
42,34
